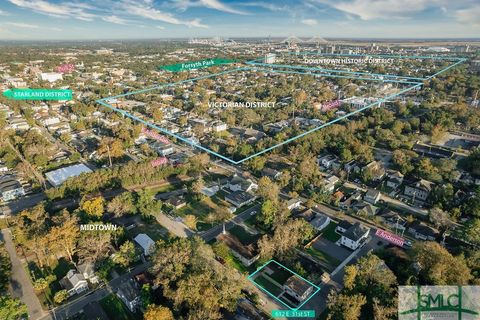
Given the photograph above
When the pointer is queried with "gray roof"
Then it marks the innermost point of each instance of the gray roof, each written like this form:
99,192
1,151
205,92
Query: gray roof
356,232
8,182
59,176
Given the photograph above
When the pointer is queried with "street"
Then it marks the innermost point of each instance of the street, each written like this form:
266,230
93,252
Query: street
20,285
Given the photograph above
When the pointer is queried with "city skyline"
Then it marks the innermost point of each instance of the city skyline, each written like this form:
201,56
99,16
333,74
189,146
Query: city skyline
75,20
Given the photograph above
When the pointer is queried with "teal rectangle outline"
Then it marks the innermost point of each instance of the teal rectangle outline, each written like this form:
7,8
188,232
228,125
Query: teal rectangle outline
273,296
198,146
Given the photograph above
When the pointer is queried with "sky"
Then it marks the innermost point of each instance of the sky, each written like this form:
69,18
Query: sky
139,19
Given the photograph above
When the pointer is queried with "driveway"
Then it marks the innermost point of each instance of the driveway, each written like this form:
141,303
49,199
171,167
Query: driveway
21,286
331,249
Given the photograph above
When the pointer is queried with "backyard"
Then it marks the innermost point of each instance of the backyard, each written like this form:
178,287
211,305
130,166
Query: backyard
202,209
115,309
330,234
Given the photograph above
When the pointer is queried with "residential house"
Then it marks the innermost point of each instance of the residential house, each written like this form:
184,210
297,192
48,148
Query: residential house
246,253
271,173
342,226
327,161
355,236
352,167
238,183
210,191
240,198
252,135
349,201
217,126
297,288
432,151
129,293
177,202
10,188
421,231
372,196
363,208
18,123
87,269
163,149
146,243
330,182
3,167
320,221
74,283
376,169
419,189
294,203
393,219
394,179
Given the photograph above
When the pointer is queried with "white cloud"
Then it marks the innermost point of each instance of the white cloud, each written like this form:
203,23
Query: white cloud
160,27
146,11
470,15
114,19
386,9
62,10
217,5
3,13
265,5
309,22
23,25
211,4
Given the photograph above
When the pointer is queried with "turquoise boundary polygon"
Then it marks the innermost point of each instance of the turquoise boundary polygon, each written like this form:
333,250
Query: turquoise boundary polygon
274,69
275,297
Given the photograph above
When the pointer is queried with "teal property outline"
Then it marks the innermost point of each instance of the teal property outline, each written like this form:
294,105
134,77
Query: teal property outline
275,297
104,101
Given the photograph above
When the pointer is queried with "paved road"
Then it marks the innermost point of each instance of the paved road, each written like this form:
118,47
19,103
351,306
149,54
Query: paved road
215,231
23,203
21,286
75,306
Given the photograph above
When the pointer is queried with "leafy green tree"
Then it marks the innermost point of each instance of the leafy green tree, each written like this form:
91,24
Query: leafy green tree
12,309
60,296
267,189
439,267
155,312
472,231
94,208
193,281
5,267
345,307
126,255
122,204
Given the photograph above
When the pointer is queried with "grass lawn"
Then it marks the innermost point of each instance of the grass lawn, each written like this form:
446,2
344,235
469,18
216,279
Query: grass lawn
153,230
245,237
330,234
237,264
267,285
280,274
115,309
201,209
165,188
321,256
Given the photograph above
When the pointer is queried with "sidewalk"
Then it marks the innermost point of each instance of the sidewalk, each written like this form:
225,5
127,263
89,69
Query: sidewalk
21,286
